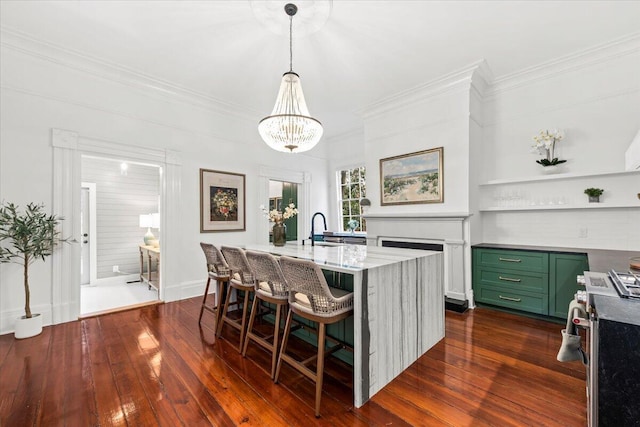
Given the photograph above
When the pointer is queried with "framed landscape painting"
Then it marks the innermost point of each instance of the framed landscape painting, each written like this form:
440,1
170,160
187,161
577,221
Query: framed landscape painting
412,178
222,201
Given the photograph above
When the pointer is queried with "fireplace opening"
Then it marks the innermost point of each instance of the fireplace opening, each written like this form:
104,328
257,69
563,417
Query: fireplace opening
413,245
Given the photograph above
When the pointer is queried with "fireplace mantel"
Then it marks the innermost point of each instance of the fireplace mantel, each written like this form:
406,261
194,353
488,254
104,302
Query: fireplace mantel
451,229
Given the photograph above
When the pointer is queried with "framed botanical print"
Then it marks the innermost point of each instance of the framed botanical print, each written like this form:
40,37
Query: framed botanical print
222,201
412,178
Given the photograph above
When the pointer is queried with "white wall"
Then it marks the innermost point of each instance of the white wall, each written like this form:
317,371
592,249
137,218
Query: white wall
43,88
595,97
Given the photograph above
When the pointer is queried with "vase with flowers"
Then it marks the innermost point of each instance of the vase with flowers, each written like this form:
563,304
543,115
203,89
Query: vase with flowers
279,229
545,144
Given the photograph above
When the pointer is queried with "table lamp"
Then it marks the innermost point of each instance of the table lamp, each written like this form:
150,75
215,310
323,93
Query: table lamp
146,220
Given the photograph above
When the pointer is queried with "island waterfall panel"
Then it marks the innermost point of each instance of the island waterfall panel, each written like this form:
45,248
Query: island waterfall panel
398,306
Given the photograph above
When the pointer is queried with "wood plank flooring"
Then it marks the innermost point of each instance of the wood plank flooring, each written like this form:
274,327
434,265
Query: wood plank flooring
153,366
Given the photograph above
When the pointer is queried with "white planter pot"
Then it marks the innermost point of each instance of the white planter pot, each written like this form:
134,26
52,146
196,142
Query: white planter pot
28,327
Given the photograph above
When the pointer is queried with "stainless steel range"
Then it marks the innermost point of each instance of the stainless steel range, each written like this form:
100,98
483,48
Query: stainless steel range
612,304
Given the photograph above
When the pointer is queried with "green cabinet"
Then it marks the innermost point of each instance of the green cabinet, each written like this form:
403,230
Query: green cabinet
563,269
541,282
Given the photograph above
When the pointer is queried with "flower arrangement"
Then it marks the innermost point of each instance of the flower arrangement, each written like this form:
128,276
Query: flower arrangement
352,224
277,216
545,143
225,201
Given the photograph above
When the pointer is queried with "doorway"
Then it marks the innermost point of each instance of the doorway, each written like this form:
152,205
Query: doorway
282,194
116,195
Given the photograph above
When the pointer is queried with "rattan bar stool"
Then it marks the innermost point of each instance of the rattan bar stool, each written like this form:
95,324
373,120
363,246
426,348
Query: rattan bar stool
311,298
272,288
218,270
242,280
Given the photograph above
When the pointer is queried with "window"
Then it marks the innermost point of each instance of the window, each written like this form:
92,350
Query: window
351,189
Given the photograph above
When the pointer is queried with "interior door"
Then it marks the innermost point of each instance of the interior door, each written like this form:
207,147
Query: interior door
290,195
85,244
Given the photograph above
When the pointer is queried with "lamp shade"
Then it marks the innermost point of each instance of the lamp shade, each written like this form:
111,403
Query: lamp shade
146,221
155,220
290,128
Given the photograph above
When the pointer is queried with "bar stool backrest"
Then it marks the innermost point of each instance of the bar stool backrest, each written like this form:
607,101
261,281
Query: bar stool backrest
306,277
238,264
215,260
267,270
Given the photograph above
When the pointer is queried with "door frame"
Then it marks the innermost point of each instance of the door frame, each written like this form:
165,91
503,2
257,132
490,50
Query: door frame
303,179
68,147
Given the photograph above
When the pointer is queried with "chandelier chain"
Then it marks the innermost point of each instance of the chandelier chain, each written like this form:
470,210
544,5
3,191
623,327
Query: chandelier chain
291,43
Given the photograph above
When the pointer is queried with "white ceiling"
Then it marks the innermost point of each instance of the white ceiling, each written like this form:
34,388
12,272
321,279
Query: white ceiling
367,50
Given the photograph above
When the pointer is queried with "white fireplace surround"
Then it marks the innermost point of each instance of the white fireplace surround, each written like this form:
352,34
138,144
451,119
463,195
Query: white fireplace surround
451,230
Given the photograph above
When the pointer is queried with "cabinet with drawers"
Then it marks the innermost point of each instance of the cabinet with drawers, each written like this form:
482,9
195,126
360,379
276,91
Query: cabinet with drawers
534,281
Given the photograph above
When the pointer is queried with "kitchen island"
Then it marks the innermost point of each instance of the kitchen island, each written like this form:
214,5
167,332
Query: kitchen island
398,305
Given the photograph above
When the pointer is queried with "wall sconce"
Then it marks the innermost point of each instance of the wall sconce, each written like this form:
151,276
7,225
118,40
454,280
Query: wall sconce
365,204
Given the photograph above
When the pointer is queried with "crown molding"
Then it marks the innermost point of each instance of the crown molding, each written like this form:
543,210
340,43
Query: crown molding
26,44
450,83
583,58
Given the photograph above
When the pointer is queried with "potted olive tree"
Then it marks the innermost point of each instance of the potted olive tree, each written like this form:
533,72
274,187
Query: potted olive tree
26,237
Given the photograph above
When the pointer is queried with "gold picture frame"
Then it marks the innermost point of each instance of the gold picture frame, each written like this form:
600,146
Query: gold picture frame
412,178
222,201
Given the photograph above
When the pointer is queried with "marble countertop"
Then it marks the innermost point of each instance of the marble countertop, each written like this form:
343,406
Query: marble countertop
342,257
601,260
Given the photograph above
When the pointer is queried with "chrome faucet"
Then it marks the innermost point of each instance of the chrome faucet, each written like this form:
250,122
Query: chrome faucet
324,220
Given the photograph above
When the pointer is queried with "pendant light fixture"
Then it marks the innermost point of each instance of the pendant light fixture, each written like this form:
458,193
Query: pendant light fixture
290,128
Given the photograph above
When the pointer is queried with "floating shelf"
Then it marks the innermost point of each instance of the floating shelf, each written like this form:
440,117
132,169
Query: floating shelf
557,177
560,207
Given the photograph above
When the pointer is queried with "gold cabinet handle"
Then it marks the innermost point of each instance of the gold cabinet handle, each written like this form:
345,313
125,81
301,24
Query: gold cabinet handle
510,259
509,279
510,299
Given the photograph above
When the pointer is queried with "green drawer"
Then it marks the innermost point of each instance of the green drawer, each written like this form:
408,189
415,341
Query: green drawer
512,260
512,279
530,302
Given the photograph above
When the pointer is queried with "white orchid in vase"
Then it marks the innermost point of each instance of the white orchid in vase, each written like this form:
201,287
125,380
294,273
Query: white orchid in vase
277,216
545,143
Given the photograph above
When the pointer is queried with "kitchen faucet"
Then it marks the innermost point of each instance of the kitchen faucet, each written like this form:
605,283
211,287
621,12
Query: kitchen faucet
324,220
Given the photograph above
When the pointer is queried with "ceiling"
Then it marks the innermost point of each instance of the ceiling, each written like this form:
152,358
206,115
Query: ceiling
366,50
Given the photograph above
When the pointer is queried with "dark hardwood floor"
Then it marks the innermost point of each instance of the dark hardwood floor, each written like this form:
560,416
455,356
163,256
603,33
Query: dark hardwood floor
154,366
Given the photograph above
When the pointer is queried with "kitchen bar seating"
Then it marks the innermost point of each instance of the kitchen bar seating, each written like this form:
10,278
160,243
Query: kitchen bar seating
311,299
271,287
218,270
241,279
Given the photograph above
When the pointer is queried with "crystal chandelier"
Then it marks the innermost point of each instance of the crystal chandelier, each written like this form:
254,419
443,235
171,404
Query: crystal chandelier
290,128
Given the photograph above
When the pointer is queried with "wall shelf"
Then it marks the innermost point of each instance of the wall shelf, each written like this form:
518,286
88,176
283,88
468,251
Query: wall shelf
557,177
559,207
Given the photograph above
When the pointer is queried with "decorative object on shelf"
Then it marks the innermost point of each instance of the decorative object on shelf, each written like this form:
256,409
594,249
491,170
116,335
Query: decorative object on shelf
290,127
279,230
545,143
412,178
31,235
352,224
594,194
222,201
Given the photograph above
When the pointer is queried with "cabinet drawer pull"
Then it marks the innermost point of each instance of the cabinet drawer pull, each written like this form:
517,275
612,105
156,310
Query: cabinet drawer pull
510,259
510,299
509,279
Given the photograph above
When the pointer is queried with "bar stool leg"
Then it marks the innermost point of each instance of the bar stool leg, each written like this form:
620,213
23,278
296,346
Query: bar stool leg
250,326
276,331
219,302
285,339
245,306
224,312
320,366
204,299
